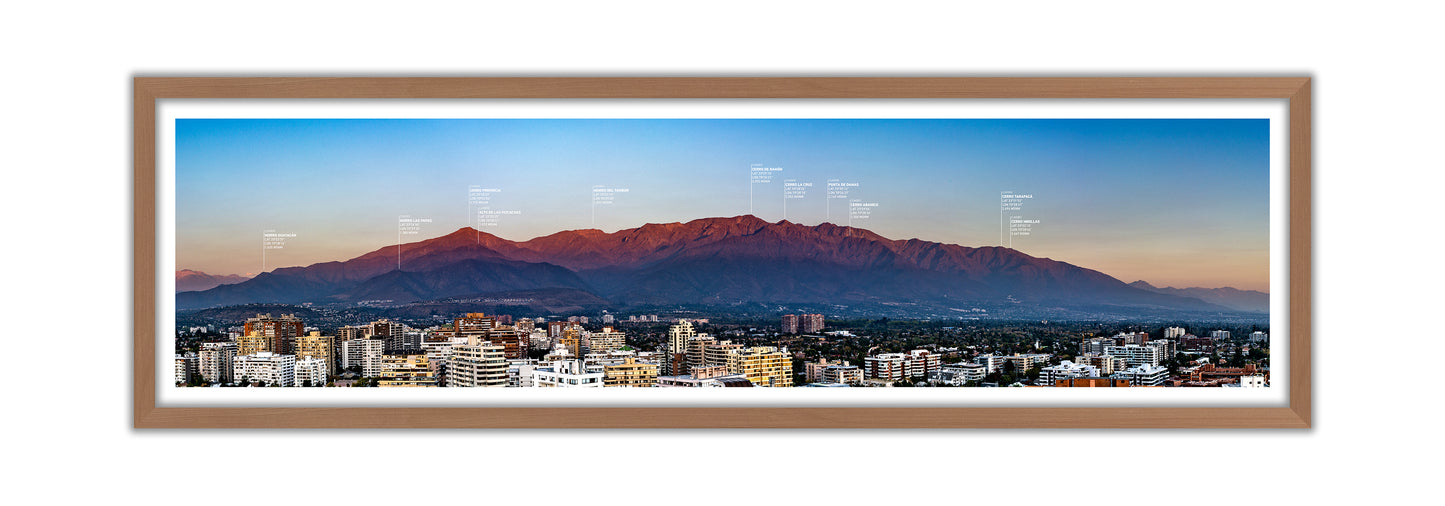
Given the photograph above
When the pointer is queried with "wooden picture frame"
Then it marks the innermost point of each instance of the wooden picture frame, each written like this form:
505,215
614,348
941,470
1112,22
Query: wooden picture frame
149,90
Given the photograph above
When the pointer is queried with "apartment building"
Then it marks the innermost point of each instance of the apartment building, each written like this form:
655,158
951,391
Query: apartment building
477,364
566,374
406,371
216,361
630,373
311,372
764,366
271,368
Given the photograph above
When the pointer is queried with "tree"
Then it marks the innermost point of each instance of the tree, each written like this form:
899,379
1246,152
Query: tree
1033,373
1257,354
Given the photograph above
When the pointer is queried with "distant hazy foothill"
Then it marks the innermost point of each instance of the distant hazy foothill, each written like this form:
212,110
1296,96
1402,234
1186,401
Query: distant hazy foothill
1233,298
716,261
188,280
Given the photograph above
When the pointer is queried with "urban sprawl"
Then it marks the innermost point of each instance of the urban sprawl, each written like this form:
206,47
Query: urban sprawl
483,350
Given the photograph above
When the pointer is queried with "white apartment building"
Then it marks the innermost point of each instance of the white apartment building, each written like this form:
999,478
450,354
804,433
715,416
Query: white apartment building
1257,337
958,374
1144,375
477,364
1107,364
268,367
1167,348
677,339
887,366
559,352
1134,354
439,353
924,362
216,361
1066,370
1219,334
846,374
311,369
991,363
363,353
519,372
897,366
1174,332
566,374
1095,345
187,366
538,340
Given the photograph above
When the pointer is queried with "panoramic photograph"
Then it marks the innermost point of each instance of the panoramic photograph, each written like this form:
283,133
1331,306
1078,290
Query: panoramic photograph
701,253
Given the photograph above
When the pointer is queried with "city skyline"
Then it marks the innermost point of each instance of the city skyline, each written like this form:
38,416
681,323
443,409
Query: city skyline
1172,202
478,350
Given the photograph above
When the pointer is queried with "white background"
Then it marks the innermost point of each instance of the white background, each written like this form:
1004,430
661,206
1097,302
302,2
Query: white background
67,181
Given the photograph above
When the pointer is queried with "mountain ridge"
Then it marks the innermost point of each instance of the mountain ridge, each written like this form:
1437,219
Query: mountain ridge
1253,301
704,261
188,280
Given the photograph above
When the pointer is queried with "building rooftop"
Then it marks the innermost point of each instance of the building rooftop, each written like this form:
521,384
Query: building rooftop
735,382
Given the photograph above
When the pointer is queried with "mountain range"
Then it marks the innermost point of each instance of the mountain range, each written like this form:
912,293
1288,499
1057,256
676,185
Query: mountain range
188,280
714,261
1241,300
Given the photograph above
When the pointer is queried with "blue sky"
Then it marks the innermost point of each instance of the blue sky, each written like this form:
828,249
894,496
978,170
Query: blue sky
1174,202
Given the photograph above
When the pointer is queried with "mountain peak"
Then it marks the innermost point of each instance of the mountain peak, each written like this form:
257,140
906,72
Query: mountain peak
742,219
703,261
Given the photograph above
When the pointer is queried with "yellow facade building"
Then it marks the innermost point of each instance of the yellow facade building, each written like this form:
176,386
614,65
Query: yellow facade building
630,373
608,339
253,342
572,340
315,345
406,371
764,366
